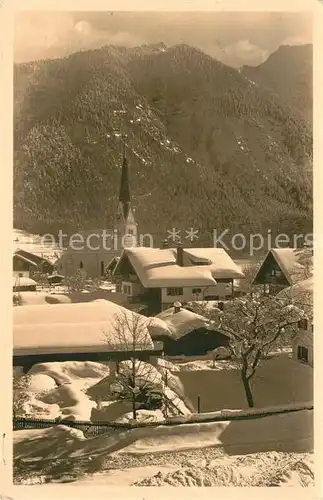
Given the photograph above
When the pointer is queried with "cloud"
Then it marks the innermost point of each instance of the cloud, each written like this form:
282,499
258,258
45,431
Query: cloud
83,27
244,52
235,38
58,34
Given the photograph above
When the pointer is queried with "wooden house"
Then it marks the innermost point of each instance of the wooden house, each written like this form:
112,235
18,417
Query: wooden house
158,277
32,263
187,333
21,265
281,268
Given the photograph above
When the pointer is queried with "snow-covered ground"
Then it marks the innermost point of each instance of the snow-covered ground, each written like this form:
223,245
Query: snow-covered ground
79,390
278,381
212,445
75,390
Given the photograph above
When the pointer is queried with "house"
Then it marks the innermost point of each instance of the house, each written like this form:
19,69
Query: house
283,267
301,295
78,332
186,333
96,249
32,263
302,344
158,277
21,265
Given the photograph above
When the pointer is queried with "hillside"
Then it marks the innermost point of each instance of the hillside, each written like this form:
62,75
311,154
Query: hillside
288,72
207,147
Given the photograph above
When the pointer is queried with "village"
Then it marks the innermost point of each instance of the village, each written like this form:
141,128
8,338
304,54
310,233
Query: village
147,336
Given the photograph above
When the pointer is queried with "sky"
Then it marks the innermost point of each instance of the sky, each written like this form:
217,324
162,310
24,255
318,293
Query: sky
234,38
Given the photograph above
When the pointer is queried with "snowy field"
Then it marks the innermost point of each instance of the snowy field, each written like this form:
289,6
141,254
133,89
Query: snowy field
278,381
260,452
240,453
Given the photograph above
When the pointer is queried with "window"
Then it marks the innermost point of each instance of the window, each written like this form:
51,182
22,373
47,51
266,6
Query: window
130,232
126,289
302,353
276,273
196,291
102,268
211,297
81,265
174,291
302,324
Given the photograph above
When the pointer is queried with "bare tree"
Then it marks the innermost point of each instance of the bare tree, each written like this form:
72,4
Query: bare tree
137,381
255,325
250,271
304,270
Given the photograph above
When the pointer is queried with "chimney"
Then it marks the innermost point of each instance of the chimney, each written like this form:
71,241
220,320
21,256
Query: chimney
177,307
180,255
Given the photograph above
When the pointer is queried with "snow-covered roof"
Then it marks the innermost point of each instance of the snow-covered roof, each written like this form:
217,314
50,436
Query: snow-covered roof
302,291
21,281
17,255
290,262
39,251
180,323
78,327
158,267
217,259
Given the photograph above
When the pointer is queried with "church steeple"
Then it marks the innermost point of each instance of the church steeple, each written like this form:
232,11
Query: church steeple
124,195
127,226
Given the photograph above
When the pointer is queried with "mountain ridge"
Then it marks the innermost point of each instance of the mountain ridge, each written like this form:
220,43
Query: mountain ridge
225,152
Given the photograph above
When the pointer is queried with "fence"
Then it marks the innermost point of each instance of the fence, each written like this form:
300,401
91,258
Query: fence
92,429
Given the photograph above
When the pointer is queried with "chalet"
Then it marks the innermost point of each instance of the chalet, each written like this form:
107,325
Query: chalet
22,266
30,263
77,332
187,333
282,268
158,277
99,248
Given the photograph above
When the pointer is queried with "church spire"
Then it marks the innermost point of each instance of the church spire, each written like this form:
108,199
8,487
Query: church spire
127,226
124,195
